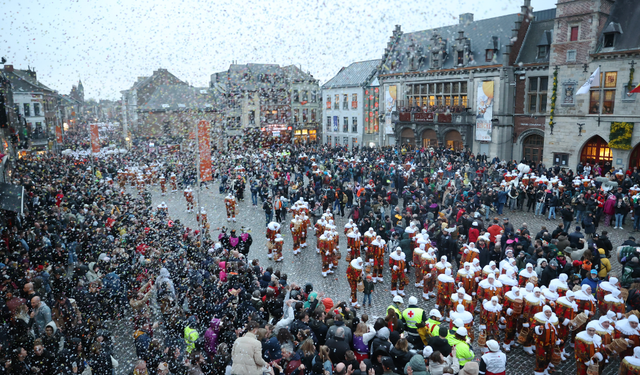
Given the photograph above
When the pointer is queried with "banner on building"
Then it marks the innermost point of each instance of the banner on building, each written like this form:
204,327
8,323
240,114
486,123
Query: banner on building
59,134
204,150
388,125
371,110
335,124
620,136
484,111
95,138
390,98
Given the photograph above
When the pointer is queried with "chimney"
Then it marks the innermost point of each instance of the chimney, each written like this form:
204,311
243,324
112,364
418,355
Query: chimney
32,74
460,34
8,68
506,53
466,18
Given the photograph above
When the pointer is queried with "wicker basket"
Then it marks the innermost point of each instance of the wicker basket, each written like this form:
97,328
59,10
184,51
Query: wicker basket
632,312
593,369
360,287
522,337
624,294
556,357
270,245
579,320
618,346
517,306
482,338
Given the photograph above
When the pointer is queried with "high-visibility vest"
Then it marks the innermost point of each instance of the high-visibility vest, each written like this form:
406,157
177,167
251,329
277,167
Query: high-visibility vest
413,316
190,338
434,327
463,352
397,310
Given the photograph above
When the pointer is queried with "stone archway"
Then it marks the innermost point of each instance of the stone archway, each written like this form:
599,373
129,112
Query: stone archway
634,158
596,151
429,138
453,140
407,136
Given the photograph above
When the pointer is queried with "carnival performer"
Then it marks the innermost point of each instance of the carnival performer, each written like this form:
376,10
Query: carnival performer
586,303
544,326
588,348
173,180
429,274
442,265
122,179
325,252
508,262
490,318
397,264
614,303
277,248
606,332
335,245
566,309
273,229
201,219
550,295
188,195
378,248
630,365
512,307
467,319
470,252
445,286
367,239
561,284
296,232
489,288
533,304
490,269
418,266
353,243
354,276
230,203
604,289
163,185
163,209
460,297
628,329
306,224
526,274
508,280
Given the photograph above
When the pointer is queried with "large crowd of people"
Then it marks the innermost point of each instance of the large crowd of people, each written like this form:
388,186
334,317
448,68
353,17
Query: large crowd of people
90,250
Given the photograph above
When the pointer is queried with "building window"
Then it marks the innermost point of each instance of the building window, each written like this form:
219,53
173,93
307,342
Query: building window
345,141
542,51
296,97
336,103
296,115
313,115
354,101
328,139
345,101
305,115
571,55
36,109
328,102
345,125
608,94
560,159
574,33
354,124
329,124
538,94
460,57
27,109
305,96
608,40
313,96
252,117
425,97
489,55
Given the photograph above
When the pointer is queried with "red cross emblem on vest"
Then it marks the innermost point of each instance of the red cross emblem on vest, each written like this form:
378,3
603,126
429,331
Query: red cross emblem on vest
410,314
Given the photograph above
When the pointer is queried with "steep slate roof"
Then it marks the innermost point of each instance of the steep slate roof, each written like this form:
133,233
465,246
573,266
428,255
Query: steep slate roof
179,97
355,75
23,82
479,32
626,13
539,33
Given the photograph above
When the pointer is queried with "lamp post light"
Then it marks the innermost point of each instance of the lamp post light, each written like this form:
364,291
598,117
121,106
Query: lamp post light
580,125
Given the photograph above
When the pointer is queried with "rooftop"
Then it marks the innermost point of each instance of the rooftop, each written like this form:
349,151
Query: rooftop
355,75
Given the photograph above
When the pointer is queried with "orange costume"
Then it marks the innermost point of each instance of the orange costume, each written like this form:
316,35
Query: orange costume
377,251
273,229
367,239
614,303
545,328
566,310
561,284
445,286
489,288
512,311
398,267
417,264
173,182
354,276
277,248
188,195
353,243
490,317
525,275
469,253
588,348
428,273
163,185
230,204
604,289
586,303
630,365
628,329
296,232
533,304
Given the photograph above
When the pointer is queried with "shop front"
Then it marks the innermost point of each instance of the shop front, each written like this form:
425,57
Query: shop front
276,133
305,136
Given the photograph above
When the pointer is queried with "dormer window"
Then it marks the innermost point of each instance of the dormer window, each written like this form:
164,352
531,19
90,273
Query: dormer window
609,34
489,55
608,40
460,57
543,51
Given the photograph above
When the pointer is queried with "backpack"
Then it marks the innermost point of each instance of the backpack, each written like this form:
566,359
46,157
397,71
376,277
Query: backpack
356,213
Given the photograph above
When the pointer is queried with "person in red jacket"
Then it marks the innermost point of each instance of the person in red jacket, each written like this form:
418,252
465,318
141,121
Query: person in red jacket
474,233
494,230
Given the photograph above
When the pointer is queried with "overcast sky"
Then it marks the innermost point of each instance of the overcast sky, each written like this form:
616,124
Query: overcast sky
108,43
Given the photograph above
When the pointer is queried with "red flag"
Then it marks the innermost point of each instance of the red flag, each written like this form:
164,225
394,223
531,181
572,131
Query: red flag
635,90
204,148
95,138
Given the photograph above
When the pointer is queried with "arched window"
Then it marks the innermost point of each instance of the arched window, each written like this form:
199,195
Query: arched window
596,151
634,160
532,148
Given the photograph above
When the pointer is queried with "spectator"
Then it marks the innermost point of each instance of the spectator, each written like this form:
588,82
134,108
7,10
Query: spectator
575,237
338,346
605,265
247,354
